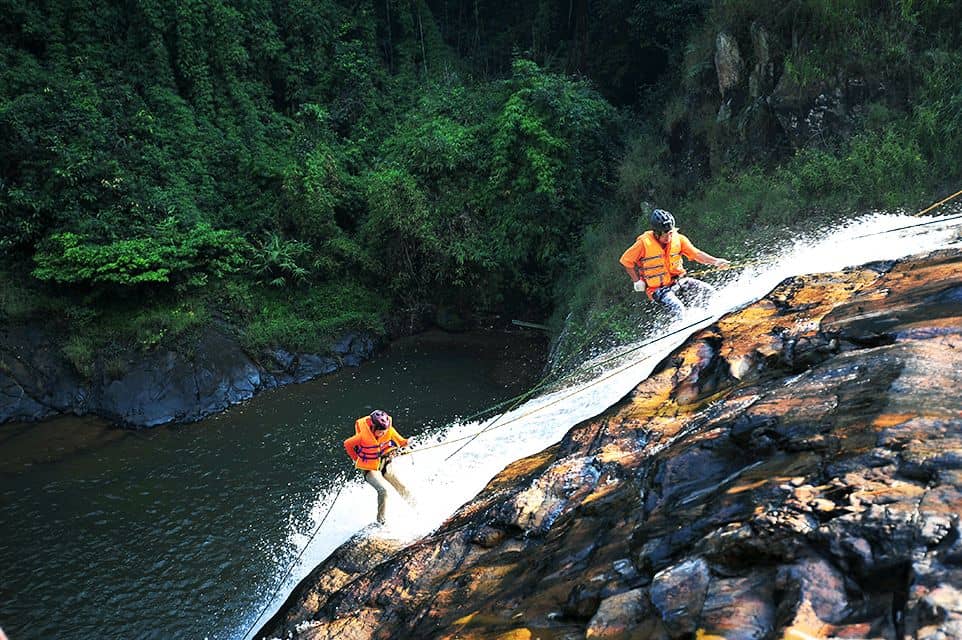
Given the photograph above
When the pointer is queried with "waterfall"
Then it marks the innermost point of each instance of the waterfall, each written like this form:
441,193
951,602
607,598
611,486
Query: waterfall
442,485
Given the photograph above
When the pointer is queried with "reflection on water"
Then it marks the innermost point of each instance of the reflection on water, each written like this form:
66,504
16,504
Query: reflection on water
178,532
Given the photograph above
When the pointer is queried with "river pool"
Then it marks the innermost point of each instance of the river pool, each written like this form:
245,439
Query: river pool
180,532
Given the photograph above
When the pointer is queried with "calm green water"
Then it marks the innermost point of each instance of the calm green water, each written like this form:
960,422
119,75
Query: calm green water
180,532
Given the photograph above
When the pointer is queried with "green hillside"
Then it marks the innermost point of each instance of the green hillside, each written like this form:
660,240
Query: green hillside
292,169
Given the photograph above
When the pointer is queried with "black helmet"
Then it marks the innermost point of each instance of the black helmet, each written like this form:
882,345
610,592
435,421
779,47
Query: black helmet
380,419
662,221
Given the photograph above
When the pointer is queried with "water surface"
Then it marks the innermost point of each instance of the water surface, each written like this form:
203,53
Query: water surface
182,532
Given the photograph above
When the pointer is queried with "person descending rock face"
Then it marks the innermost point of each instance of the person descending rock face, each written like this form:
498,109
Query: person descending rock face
654,263
371,448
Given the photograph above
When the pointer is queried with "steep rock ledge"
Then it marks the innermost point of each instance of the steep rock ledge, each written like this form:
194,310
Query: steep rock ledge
793,471
159,387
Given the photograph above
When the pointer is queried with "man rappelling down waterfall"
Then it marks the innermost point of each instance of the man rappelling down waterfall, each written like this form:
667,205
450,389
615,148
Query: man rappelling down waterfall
371,448
654,263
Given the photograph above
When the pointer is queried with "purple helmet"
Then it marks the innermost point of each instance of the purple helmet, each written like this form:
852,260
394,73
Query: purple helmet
380,419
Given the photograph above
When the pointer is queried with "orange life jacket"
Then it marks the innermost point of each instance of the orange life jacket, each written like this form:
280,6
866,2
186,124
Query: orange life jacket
658,265
368,451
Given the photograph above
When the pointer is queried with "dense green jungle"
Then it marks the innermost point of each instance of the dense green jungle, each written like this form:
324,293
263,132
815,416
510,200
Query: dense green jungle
291,169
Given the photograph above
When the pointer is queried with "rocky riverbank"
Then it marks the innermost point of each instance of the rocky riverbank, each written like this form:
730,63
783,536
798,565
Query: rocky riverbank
158,387
792,471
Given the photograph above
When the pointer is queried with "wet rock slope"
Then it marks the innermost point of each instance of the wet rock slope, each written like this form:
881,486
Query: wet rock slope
792,471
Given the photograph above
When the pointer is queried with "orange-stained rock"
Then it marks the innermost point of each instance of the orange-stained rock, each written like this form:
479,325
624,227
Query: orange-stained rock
793,471
621,616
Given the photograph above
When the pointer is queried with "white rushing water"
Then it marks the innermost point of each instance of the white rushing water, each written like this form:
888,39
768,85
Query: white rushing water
442,485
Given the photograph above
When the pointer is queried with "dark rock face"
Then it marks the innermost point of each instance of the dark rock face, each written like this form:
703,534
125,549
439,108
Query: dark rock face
729,66
171,388
156,388
819,110
35,380
765,109
793,471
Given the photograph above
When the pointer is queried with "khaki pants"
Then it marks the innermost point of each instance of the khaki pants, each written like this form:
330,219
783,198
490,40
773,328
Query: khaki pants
379,480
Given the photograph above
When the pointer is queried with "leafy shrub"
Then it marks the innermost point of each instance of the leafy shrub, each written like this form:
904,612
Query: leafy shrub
937,113
308,320
277,262
552,153
319,194
108,335
81,352
17,298
884,167
402,232
641,172
174,256
550,137
733,207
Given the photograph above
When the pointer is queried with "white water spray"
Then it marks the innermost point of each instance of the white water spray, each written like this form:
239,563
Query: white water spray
441,485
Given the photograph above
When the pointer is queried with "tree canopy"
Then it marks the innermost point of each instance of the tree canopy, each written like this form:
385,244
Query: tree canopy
425,151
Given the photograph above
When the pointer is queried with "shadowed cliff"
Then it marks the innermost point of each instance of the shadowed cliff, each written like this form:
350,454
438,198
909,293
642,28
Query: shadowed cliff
792,471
